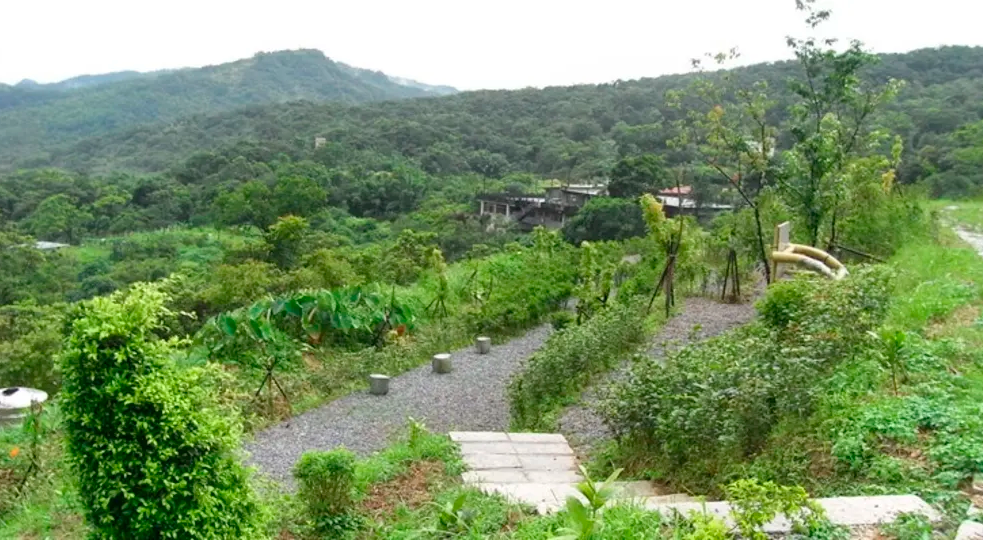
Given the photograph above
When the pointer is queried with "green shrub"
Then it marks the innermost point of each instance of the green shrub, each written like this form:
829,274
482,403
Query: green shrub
562,319
714,403
908,527
754,504
521,289
326,481
154,457
569,360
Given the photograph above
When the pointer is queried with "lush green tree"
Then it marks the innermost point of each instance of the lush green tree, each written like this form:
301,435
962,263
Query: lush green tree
298,196
605,218
250,204
58,218
409,256
829,125
236,285
635,175
286,239
733,142
19,262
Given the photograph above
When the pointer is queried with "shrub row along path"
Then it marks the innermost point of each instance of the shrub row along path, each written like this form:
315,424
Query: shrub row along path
700,318
470,398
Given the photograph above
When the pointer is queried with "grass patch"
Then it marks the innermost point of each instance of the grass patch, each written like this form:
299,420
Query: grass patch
965,213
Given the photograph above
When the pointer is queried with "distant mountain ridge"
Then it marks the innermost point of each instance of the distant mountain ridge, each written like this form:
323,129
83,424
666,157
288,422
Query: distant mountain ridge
574,131
36,116
84,81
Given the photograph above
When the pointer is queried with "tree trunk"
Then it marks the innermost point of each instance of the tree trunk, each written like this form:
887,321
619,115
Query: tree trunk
762,254
832,231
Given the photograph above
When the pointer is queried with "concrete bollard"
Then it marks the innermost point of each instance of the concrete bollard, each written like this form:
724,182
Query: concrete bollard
378,384
441,363
483,344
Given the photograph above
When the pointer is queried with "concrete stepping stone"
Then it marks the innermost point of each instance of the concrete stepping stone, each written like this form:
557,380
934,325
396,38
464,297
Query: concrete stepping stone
970,530
847,511
538,469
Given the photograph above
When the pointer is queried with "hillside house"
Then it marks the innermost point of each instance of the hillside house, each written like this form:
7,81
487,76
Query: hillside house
550,210
681,200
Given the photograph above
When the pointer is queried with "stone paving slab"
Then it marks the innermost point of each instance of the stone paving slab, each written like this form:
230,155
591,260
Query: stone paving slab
544,438
519,476
848,511
478,436
547,463
970,530
491,461
487,448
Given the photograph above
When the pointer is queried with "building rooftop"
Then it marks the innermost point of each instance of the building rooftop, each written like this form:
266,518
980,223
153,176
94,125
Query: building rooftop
681,190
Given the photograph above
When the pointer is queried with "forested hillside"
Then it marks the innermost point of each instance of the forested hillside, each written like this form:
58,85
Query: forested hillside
35,117
575,132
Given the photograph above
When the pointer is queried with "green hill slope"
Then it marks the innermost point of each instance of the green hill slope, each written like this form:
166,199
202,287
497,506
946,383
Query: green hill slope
34,117
572,131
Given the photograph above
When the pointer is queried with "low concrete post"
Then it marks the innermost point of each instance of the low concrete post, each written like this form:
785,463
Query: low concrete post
482,344
378,384
441,363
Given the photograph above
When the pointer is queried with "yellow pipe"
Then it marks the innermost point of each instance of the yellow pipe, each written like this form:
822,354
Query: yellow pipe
819,254
814,259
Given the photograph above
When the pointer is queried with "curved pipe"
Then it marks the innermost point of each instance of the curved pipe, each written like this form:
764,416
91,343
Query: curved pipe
813,259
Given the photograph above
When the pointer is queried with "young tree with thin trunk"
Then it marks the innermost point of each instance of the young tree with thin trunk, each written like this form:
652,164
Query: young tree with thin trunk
830,125
728,131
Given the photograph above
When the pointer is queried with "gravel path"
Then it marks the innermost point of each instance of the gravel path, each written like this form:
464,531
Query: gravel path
700,318
470,398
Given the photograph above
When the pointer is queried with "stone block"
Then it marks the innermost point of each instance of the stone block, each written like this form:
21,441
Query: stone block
970,530
563,491
441,363
633,489
487,448
491,461
495,476
531,494
478,436
378,384
547,463
855,511
547,449
545,438
673,498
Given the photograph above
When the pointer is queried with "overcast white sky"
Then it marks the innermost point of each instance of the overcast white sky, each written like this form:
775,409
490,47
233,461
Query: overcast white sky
468,44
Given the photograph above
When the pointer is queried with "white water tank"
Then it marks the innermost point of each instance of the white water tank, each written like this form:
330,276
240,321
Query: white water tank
15,403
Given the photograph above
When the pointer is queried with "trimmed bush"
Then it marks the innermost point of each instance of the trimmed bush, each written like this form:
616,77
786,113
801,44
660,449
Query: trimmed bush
326,481
569,360
154,457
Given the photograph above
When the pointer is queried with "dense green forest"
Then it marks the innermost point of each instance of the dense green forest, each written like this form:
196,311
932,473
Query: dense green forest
36,117
566,132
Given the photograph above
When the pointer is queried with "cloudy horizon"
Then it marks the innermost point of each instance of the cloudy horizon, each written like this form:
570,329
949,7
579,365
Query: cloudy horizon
505,44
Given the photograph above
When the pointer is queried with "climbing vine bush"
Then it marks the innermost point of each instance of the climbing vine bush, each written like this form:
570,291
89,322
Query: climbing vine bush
154,457
568,361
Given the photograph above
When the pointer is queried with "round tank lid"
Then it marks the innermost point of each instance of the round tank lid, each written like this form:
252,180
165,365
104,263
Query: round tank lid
18,397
